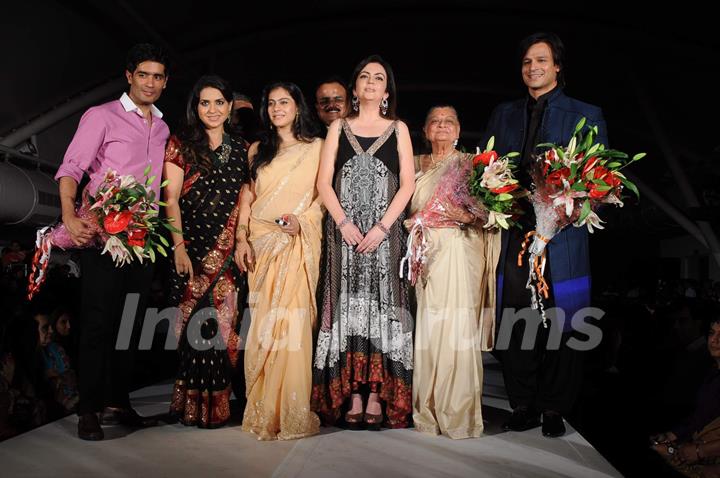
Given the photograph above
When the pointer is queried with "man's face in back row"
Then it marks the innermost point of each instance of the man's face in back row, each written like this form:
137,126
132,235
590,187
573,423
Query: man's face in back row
331,102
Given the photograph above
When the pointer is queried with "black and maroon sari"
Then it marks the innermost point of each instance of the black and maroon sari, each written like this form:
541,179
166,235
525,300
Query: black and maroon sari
208,321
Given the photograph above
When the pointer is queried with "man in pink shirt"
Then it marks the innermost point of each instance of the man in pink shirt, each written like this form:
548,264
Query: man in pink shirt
125,135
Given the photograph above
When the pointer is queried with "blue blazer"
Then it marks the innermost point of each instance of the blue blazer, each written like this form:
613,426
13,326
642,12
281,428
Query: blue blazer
568,251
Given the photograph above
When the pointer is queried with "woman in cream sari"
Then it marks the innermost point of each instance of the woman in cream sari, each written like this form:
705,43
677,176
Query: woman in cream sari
282,255
455,299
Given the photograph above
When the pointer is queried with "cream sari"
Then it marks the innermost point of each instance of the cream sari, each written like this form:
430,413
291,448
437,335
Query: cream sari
282,303
455,320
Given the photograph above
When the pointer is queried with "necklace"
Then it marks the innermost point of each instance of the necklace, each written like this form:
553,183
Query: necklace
432,158
224,154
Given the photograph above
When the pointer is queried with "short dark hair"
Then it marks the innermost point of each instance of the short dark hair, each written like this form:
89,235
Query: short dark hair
241,97
391,88
145,52
333,79
556,46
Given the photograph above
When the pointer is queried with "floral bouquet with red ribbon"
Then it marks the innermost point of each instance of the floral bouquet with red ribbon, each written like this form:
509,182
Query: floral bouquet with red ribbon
125,218
569,185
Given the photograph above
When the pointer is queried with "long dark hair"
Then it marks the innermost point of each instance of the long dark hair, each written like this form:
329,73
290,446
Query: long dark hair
556,46
304,127
391,88
195,146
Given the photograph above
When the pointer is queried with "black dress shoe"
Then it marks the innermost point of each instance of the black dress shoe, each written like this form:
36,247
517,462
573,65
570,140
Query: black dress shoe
552,425
89,427
126,416
522,419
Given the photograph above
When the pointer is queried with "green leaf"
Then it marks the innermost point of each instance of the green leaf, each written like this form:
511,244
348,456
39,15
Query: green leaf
147,170
162,203
163,240
504,197
512,154
592,150
161,249
585,211
639,156
490,144
151,253
614,164
164,183
578,186
579,126
603,188
631,186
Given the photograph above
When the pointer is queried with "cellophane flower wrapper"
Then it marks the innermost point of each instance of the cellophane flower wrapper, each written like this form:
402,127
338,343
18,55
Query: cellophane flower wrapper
570,183
451,194
124,220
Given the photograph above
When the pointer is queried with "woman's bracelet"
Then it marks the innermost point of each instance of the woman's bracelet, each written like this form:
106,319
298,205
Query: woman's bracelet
382,227
242,227
179,244
340,225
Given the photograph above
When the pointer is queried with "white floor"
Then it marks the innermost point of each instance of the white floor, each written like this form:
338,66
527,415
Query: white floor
174,450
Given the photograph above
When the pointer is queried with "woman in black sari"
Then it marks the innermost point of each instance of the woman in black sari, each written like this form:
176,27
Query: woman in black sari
205,168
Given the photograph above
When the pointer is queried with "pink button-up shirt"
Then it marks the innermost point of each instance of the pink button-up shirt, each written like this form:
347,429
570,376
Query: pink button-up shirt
116,136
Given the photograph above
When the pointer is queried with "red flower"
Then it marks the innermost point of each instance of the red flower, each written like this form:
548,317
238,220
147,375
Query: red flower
612,180
595,193
136,237
555,178
486,158
116,222
505,189
589,165
601,172
551,156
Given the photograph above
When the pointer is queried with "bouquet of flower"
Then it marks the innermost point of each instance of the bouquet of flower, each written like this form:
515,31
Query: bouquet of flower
125,218
457,190
569,185
492,182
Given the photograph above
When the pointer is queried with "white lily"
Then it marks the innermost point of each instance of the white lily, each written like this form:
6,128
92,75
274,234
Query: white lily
127,181
613,199
496,174
118,251
591,220
567,198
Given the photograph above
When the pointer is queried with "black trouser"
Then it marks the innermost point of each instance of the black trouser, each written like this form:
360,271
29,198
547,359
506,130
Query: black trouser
105,374
536,378
539,378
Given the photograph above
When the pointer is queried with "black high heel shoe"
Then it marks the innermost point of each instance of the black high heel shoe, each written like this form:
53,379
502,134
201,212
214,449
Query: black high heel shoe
355,421
373,422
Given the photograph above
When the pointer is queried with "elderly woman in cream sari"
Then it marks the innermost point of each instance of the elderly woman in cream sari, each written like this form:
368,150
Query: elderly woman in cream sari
281,211
455,298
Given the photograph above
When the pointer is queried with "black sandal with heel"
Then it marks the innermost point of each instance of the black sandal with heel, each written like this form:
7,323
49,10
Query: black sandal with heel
355,421
373,422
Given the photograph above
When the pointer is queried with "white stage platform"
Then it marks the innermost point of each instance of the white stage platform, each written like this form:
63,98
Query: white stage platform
175,450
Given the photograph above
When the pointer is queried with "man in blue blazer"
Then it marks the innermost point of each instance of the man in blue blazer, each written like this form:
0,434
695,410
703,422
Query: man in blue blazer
543,379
